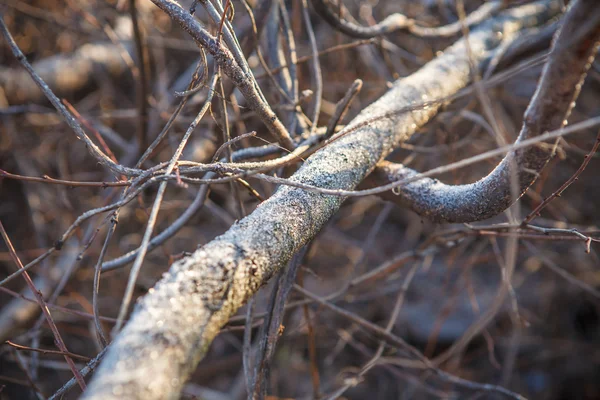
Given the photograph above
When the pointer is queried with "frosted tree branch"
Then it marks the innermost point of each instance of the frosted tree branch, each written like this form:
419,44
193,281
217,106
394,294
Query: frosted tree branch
172,327
572,53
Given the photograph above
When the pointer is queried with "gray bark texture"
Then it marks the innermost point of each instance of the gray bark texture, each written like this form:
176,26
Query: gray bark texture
560,84
172,326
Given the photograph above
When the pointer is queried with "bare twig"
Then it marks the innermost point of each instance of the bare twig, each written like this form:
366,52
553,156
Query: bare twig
243,80
316,68
84,371
342,107
42,303
142,84
141,254
272,327
586,160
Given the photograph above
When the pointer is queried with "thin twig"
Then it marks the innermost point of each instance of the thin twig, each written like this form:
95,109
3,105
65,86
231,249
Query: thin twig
342,106
141,254
558,192
234,70
42,303
316,68
142,83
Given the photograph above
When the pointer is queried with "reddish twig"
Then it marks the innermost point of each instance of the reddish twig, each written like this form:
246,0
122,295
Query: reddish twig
46,351
86,123
40,300
586,160
53,181
220,30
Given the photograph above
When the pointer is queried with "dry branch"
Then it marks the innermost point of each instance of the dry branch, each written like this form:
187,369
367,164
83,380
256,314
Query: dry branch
571,56
171,327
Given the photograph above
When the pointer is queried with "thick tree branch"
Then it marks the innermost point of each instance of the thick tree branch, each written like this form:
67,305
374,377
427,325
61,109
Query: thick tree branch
173,325
574,48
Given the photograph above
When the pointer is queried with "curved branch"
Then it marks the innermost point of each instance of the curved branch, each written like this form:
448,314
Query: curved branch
172,327
397,22
245,82
573,50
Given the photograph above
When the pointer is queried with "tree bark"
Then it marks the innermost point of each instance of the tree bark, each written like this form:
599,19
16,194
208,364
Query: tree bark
172,327
573,51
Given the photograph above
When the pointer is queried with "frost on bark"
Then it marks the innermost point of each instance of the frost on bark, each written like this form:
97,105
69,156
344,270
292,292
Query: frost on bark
563,75
172,326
